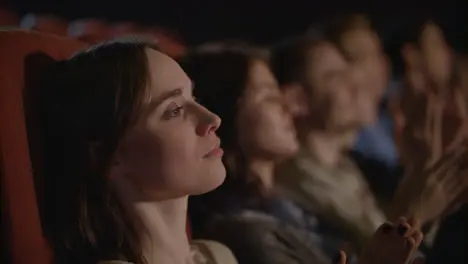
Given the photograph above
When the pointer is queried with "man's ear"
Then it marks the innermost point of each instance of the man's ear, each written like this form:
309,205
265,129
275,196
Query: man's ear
295,99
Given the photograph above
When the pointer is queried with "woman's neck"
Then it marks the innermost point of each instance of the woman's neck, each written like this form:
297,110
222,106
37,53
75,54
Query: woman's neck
161,224
162,227
262,170
328,148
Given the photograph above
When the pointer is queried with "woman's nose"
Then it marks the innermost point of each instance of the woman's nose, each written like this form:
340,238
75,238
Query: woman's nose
208,123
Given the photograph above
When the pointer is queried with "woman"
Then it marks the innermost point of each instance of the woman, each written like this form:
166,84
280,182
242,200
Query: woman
245,213
125,144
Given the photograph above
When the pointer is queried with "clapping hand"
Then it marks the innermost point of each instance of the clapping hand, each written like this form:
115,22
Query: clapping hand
432,192
391,244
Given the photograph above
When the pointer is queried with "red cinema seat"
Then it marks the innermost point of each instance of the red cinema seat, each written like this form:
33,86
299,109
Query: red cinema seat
19,186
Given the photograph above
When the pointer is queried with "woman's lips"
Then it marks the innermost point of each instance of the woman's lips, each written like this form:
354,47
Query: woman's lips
216,152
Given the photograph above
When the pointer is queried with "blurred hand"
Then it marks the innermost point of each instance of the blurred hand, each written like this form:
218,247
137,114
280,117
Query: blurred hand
392,244
341,258
433,192
432,105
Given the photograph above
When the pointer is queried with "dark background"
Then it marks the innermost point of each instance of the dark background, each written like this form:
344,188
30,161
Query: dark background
262,21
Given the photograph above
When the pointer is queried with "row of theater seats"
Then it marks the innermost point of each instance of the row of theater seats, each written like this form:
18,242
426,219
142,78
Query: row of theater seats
92,30
23,239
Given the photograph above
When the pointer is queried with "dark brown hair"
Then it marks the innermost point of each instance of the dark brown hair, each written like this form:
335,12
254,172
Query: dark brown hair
289,59
220,73
340,25
88,102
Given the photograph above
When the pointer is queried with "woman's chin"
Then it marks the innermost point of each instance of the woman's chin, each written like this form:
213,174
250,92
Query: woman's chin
211,180
286,151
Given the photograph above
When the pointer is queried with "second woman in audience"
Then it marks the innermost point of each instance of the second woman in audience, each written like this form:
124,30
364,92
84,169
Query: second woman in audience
246,213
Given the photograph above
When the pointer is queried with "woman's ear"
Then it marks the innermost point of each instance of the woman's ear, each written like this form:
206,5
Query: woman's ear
295,99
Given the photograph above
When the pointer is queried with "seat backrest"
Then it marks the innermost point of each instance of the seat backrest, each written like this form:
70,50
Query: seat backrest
26,240
89,30
188,229
44,23
8,18
122,29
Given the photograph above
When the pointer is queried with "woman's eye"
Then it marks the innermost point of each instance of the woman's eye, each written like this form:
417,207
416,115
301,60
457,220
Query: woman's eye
174,112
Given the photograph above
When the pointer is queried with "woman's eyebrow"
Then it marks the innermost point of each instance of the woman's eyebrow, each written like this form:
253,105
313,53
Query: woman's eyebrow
163,97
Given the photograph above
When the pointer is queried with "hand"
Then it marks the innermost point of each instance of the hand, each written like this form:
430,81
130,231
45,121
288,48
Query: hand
392,244
437,56
341,258
428,194
432,106
421,138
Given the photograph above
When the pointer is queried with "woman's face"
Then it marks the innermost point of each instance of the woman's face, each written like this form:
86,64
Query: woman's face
173,151
264,125
333,95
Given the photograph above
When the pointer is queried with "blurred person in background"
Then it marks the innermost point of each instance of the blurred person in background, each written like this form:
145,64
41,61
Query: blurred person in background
450,243
434,108
329,109
319,85
374,150
246,213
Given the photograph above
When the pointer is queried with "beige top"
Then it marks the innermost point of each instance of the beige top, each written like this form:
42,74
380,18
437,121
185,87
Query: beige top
203,252
340,195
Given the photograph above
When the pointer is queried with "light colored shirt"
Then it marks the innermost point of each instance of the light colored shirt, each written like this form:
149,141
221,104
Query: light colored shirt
376,141
203,252
340,195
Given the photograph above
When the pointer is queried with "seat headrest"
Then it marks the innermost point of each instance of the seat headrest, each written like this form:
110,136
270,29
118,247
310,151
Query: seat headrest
44,23
26,239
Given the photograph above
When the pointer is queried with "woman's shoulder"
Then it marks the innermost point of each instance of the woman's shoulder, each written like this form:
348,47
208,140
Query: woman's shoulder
203,252
113,262
211,252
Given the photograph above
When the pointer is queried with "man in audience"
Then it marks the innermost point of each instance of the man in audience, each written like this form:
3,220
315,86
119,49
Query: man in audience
329,107
374,149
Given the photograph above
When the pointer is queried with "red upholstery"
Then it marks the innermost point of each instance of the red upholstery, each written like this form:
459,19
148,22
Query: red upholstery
8,18
20,207
189,229
168,43
126,28
89,30
26,240
44,23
